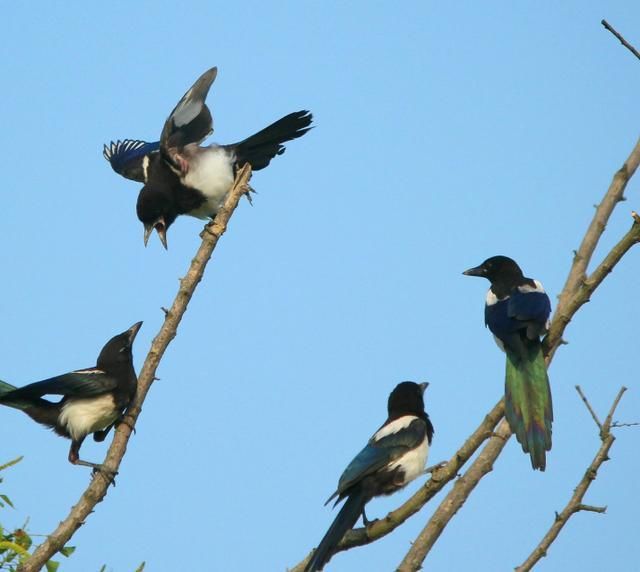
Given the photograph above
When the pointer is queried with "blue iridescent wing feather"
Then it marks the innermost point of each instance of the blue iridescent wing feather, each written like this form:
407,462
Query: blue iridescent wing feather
127,157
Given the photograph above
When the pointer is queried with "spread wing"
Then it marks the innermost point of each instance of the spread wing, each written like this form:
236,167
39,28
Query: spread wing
127,157
190,121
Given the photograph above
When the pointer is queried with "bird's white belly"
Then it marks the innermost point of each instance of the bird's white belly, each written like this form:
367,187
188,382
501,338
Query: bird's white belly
413,462
211,173
82,416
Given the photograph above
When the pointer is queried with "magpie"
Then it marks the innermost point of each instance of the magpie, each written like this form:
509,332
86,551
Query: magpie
93,399
394,456
517,313
181,177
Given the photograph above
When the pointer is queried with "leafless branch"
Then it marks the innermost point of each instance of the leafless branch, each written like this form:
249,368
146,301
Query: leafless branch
588,406
622,40
97,489
618,424
575,503
578,289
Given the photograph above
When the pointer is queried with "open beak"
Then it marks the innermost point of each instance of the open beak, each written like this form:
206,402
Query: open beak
477,271
160,227
132,332
423,385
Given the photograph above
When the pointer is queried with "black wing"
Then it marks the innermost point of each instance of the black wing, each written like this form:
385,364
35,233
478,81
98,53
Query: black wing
190,121
378,454
81,383
127,157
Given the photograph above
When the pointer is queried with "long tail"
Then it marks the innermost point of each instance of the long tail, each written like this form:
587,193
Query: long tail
260,148
38,409
528,406
345,520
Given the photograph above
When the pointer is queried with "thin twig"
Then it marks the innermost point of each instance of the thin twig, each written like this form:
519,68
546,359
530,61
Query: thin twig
97,489
618,424
575,504
588,405
607,421
622,40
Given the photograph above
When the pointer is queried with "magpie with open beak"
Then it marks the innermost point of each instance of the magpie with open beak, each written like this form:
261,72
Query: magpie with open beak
93,399
181,177
395,456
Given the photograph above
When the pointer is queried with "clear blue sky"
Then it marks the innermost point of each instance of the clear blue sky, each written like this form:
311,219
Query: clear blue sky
445,134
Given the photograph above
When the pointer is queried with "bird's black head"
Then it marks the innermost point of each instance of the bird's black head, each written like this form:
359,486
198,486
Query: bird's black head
118,349
156,210
497,269
407,399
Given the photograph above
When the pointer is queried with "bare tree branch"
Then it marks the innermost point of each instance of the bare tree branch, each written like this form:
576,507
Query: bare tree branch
97,489
588,286
622,40
456,497
575,503
577,279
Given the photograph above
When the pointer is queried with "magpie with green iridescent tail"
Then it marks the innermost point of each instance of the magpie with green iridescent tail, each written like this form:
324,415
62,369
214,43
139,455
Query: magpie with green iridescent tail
395,456
181,177
93,399
517,313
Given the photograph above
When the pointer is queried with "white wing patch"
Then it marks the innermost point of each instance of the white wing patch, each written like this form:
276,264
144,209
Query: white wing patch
89,371
527,288
145,167
393,427
82,416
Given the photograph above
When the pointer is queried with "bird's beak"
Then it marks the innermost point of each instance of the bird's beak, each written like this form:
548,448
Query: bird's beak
132,332
423,386
477,271
160,227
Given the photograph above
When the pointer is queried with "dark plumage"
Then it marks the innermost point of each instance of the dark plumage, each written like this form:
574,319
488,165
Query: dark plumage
179,176
516,311
394,456
93,399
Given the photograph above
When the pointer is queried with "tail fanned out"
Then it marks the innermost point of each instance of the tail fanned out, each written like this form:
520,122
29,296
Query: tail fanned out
528,406
260,148
345,520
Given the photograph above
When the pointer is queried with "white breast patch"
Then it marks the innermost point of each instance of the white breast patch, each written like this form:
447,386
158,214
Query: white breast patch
82,416
210,172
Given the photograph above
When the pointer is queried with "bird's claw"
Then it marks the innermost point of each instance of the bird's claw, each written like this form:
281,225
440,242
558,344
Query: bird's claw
434,468
108,474
248,192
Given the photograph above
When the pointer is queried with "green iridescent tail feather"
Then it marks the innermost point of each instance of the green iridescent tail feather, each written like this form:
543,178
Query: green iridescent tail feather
18,403
528,407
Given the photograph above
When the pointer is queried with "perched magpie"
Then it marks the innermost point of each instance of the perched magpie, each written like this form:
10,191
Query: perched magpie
517,312
93,399
394,456
179,176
